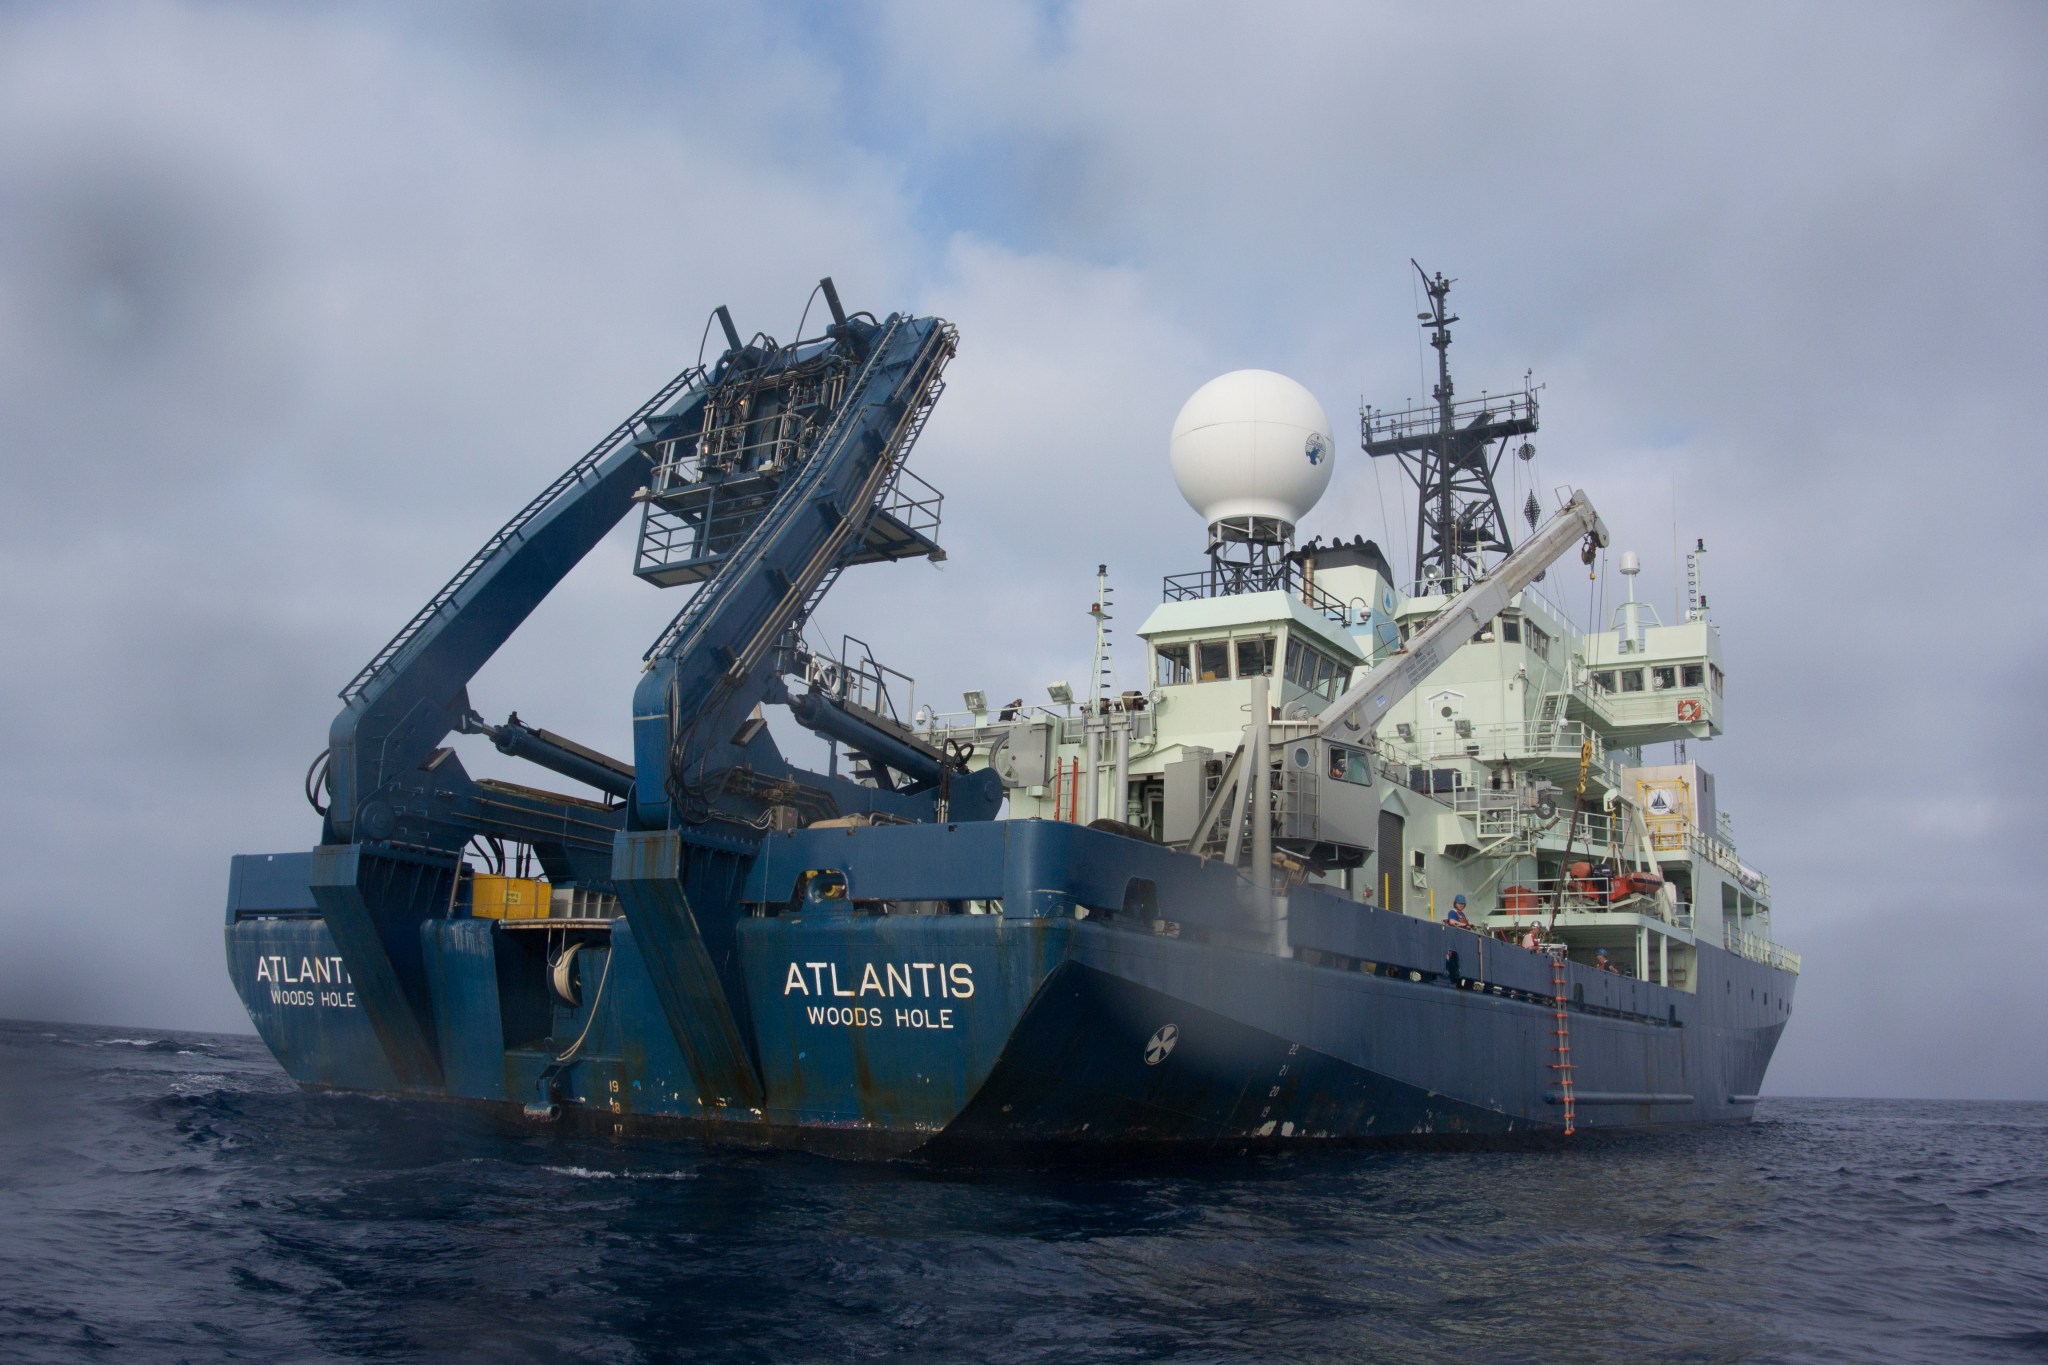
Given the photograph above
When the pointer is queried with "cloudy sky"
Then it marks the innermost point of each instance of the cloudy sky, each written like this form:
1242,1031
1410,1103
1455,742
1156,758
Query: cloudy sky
297,304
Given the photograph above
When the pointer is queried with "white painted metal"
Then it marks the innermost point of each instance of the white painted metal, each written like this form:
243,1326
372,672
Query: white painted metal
1091,744
1252,443
1120,787
1356,713
1257,746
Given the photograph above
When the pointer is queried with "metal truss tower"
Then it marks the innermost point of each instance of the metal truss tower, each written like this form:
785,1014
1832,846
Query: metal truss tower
1451,451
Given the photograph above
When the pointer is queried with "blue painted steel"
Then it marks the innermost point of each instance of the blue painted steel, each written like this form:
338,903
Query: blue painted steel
823,716
655,873
550,751
1035,867
291,978
270,884
415,693
717,661
460,960
373,901
970,1032
887,1023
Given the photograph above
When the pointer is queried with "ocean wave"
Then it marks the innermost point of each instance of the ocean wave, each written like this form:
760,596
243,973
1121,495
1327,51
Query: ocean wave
585,1173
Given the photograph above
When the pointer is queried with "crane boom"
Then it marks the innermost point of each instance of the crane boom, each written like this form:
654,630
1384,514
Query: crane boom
413,694
1367,702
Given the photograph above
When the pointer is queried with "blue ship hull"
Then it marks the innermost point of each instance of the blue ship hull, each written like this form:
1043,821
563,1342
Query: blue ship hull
1116,1000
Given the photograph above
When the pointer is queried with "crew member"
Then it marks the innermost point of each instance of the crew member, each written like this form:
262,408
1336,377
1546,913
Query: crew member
1457,915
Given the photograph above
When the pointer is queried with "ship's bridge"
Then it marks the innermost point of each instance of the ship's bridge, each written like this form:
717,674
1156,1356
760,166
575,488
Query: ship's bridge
1197,641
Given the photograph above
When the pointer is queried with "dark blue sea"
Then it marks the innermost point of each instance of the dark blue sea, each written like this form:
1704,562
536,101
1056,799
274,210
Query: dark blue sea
172,1197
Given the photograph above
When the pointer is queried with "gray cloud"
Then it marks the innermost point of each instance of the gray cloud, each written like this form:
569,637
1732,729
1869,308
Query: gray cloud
296,306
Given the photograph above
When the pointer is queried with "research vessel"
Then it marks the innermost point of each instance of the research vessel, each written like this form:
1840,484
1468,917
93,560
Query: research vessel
1356,856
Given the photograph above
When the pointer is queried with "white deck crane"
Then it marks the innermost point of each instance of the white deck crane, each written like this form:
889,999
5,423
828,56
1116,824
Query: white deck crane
1357,713
1368,700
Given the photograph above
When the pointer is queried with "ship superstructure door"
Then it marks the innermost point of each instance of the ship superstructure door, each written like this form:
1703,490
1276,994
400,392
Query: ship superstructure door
1390,860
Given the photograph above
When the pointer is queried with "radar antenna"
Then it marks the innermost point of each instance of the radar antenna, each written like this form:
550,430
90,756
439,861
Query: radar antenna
1451,450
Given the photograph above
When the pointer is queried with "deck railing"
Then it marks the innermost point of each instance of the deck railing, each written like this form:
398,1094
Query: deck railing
1757,948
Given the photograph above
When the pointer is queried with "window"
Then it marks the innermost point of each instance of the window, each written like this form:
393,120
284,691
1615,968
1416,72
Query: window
1311,670
1631,679
1539,640
1715,671
1693,675
1212,660
1663,676
1350,765
1173,665
1254,657
1511,630
1327,670
1604,681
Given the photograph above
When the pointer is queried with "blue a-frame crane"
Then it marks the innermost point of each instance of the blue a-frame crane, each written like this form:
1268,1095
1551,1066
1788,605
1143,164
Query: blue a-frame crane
760,478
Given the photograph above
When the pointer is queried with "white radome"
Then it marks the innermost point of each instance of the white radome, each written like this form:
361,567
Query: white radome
1252,443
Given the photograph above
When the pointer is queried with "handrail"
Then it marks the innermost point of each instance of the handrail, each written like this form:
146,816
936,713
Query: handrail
1545,891
849,413
1757,948
520,520
1287,576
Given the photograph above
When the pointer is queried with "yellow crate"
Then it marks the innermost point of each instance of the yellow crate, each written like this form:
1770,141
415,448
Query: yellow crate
493,897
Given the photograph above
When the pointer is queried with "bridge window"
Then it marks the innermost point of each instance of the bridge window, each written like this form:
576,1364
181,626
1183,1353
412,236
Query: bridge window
1631,679
1255,657
1212,660
1314,671
1693,675
1174,668
1604,681
1539,640
1329,677
1714,671
1663,676
1511,630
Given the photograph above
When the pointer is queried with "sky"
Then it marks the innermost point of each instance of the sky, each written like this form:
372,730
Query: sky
298,303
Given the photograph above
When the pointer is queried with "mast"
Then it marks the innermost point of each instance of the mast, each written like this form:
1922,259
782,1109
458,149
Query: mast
1458,516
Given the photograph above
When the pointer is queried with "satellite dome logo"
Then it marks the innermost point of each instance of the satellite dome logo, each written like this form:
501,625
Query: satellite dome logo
1314,448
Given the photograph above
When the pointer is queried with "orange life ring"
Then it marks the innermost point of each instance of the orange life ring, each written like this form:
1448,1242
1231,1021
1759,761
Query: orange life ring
1689,710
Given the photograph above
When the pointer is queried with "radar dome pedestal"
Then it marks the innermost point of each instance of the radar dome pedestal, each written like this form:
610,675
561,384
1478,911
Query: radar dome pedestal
1252,453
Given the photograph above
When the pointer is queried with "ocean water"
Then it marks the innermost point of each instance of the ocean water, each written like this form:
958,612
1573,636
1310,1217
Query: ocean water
172,1197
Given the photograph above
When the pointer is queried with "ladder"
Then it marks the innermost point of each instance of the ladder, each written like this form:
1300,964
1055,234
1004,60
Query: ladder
1562,1030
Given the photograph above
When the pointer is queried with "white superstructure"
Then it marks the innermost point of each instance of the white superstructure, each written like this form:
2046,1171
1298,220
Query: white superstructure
1507,766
